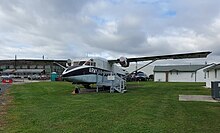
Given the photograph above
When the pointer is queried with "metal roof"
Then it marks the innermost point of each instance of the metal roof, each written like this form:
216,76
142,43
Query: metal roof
23,71
180,68
9,71
29,70
45,60
215,66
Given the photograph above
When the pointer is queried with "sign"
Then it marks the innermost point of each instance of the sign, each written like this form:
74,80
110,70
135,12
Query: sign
219,85
111,77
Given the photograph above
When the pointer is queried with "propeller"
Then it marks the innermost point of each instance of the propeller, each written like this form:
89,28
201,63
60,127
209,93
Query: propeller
123,62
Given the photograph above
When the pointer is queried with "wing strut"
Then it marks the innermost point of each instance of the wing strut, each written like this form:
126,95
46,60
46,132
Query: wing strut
140,67
60,65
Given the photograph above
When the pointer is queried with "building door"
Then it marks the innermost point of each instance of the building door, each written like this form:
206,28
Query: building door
167,76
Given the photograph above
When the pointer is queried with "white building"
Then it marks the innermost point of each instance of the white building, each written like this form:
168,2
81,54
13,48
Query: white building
180,73
212,73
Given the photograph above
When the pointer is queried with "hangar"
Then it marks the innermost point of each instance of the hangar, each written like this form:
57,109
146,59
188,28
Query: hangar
24,67
179,73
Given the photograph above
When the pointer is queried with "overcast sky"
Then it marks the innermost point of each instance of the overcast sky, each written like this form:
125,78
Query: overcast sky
62,29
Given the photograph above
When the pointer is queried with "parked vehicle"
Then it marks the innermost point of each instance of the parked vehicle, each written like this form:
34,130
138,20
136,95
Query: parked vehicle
38,77
141,76
7,80
151,77
34,77
44,77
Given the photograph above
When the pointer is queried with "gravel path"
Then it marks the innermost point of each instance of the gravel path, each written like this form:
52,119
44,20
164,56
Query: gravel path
3,88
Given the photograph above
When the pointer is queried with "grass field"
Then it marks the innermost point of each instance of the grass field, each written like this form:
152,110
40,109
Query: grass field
146,107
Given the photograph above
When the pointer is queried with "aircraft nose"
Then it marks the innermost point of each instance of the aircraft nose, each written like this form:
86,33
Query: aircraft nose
63,75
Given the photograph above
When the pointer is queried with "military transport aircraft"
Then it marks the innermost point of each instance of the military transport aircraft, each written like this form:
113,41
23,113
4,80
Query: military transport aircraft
104,72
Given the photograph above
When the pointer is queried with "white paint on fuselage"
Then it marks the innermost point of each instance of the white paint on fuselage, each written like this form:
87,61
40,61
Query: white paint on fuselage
88,79
75,69
101,63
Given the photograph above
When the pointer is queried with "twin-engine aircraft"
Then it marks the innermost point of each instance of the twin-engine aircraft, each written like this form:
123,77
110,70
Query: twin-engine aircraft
97,70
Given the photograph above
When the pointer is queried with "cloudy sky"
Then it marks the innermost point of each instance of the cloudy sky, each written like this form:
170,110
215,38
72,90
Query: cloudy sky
62,29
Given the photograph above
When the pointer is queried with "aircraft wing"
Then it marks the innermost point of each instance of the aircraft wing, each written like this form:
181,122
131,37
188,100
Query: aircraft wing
164,57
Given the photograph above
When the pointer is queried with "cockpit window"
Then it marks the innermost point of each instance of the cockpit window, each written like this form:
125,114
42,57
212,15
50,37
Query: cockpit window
90,63
75,63
80,63
71,67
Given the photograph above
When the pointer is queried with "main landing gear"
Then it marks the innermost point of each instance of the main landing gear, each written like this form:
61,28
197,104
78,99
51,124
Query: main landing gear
87,86
77,90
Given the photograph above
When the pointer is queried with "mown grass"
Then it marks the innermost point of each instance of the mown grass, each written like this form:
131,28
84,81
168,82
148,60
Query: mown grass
146,107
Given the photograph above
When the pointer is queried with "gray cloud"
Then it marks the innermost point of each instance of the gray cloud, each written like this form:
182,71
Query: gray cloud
65,29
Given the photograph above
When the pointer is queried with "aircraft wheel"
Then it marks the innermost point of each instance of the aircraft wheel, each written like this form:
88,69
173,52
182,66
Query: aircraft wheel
87,86
77,91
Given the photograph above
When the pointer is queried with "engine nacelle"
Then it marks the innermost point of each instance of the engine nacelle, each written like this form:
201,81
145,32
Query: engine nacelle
123,62
69,63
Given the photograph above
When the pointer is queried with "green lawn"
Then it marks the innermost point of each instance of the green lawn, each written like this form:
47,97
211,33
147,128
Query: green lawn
146,107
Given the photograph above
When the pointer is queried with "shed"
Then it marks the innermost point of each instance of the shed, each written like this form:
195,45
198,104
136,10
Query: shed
179,73
212,73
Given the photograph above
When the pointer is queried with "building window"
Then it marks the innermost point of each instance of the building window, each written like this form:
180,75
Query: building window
215,73
192,75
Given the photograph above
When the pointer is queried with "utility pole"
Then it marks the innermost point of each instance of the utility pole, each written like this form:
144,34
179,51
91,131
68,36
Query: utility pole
136,67
15,62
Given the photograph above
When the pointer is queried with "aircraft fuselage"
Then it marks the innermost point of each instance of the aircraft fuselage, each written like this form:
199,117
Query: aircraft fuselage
90,73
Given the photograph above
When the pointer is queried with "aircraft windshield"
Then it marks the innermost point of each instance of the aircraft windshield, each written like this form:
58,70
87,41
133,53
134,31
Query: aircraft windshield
78,63
75,64
90,63
71,67
87,63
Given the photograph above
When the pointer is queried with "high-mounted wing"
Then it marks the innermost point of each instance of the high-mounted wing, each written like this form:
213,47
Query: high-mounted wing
125,61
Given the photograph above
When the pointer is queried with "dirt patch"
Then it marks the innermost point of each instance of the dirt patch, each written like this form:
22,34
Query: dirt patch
86,91
5,100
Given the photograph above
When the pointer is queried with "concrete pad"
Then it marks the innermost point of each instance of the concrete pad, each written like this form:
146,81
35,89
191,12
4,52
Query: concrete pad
204,98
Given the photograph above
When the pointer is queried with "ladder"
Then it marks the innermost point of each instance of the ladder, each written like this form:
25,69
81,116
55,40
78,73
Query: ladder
111,80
